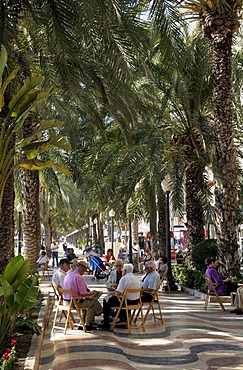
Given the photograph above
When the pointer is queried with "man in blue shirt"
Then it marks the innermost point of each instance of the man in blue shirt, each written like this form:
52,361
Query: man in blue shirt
150,281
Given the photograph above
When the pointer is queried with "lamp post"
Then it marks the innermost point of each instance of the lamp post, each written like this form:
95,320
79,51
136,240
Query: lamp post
87,232
112,215
91,232
129,231
19,210
166,186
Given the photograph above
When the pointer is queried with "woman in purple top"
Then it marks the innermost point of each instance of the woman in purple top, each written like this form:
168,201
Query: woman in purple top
215,276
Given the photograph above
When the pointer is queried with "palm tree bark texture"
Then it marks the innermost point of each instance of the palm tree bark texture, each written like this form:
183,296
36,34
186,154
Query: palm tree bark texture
31,213
219,27
7,207
194,210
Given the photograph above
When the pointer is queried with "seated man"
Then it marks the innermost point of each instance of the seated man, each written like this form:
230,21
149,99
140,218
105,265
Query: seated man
115,275
128,280
42,260
162,265
150,281
71,255
75,281
59,275
238,302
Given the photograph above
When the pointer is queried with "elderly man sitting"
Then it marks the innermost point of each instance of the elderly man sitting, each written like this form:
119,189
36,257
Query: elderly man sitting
115,275
86,299
150,281
128,280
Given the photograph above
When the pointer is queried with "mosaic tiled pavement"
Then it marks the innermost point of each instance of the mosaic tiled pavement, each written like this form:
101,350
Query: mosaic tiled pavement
190,338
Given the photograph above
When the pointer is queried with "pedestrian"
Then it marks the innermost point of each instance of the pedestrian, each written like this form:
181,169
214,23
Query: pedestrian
54,251
136,255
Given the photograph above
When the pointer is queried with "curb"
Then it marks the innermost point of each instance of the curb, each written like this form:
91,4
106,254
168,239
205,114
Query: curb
33,356
201,295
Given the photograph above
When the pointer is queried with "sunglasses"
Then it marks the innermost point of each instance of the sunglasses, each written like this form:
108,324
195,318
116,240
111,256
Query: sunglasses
118,265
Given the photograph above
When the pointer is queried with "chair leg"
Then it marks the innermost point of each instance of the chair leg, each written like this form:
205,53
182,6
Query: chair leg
220,302
160,313
54,321
206,302
136,317
168,285
148,310
128,320
115,318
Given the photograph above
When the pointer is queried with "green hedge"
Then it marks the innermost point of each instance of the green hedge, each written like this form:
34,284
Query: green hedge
193,279
204,249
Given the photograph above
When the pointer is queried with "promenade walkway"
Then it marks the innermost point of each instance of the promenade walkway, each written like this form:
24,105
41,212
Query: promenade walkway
189,339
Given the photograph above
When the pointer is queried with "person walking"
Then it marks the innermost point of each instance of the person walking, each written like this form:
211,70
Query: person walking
136,255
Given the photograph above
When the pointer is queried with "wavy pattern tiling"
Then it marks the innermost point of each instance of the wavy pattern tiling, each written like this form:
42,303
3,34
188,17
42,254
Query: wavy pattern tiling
190,339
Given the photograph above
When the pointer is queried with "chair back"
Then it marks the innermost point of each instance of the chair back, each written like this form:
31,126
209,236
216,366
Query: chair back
129,308
164,278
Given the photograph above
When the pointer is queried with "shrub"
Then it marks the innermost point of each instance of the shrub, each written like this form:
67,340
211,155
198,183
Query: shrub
18,298
204,249
193,279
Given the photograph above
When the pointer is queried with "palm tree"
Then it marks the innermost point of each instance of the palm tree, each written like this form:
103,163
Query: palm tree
220,21
68,38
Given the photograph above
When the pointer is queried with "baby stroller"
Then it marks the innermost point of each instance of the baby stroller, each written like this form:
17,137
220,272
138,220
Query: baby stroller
98,268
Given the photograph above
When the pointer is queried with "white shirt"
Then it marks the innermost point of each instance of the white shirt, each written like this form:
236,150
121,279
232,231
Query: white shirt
54,247
58,277
42,260
157,263
136,249
129,281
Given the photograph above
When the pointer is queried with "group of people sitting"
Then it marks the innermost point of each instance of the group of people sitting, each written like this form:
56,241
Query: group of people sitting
121,277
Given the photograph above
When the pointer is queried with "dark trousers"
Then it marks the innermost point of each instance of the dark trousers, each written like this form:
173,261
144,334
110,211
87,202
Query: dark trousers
146,297
114,302
231,287
54,258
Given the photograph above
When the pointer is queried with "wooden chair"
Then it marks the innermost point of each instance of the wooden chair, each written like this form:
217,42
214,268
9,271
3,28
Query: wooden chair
67,311
130,311
213,292
164,278
151,306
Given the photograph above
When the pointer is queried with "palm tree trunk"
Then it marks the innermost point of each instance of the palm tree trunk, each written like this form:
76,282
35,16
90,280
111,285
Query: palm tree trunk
45,218
153,217
7,205
135,230
31,212
7,224
220,30
194,210
161,205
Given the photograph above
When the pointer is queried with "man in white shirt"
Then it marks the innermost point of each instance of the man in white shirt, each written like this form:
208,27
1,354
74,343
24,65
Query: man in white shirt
54,251
59,275
127,281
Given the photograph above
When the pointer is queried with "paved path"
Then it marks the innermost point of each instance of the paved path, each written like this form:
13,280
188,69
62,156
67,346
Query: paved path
189,339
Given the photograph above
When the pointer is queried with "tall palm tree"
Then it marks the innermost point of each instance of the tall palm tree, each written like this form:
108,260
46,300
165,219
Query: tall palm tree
220,20
78,40
192,143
